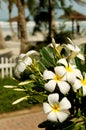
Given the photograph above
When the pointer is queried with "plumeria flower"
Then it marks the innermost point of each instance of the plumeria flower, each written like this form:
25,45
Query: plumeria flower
56,78
81,82
75,50
71,71
32,52
23,62
58,111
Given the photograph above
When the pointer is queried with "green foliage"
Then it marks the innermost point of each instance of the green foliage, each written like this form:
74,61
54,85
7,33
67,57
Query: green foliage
7,96
52,68
82,64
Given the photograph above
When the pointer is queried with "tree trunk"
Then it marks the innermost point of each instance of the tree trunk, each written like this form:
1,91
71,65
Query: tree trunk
51,18
10,22
11,28
2,41
22,26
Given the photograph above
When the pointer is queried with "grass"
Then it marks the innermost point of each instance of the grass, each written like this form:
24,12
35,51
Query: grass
7,96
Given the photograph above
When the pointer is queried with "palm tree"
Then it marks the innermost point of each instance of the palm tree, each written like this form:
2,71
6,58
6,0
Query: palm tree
2,41
58,4
10,7
22,26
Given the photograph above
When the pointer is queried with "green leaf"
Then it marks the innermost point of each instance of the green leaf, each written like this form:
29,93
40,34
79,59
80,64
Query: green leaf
41,66
39,98
47,55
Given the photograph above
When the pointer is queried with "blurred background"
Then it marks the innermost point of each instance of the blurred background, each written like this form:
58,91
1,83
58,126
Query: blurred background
29,25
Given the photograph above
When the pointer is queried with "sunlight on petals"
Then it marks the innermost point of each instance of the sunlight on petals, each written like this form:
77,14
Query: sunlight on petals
84,90
53,98
21,67
60,70
62,116
80,56
63,61
71,77
46,107
50,86
64,87
66,102
77,72
71,47
59,110
48,74
52,116
77,84
27,61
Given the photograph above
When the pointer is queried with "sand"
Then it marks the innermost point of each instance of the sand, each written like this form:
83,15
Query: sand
14,46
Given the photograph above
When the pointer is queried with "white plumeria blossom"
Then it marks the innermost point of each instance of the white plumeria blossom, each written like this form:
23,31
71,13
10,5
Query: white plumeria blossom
21,56
31,52
71,71
27,60
58,111
81,82
56,78
76,51
51,45
21,67
24,61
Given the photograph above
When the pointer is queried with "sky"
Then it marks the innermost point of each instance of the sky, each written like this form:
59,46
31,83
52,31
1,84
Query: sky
4,10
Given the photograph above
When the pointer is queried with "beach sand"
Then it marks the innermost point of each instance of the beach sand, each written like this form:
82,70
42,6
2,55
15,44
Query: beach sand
13,47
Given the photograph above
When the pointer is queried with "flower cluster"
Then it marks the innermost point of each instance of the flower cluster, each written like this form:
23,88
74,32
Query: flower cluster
55,77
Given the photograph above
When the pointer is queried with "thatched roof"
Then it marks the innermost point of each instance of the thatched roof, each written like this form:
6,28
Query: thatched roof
74,15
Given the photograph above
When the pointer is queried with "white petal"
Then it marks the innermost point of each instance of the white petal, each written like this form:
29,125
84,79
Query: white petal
32,52
27,61
17,72
77,49
21,67
64,87
60,70
46,107
62,116
80,56
50,86
48,74
77,73
71,47
63,61
52,116
70,77
53,99
85,75
84,90
77,84
21,56
65,104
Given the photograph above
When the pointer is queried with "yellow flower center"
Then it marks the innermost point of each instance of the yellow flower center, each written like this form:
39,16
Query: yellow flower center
56,107
68,68
57,78
83,81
